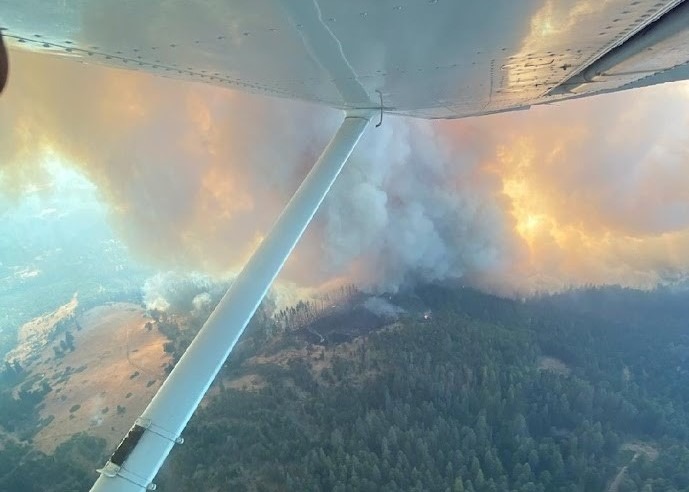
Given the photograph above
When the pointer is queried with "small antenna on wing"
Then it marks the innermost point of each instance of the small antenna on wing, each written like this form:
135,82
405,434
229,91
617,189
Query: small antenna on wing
381,108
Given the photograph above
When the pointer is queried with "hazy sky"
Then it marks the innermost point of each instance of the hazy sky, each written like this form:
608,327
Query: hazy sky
192,176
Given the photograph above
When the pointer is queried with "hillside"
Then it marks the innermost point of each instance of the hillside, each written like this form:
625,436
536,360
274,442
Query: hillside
487,395
449,389
92,371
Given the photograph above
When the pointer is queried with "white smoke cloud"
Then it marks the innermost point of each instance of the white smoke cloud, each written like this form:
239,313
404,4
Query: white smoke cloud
383,308
591,191
409,207
197,294
202,304
181,293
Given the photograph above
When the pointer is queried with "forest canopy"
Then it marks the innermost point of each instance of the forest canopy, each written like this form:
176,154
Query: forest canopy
457,391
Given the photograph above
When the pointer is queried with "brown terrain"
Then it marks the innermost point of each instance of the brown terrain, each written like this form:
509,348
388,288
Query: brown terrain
105,383
36,334
318,358
117,365
638,448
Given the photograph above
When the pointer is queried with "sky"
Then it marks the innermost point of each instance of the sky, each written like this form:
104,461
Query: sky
592,191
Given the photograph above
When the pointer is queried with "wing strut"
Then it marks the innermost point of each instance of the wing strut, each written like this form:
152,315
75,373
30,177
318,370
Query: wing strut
142,452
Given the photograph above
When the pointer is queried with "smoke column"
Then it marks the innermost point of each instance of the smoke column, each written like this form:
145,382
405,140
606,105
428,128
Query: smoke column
589,191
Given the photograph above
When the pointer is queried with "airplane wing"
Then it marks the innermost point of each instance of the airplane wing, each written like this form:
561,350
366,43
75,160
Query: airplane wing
422,58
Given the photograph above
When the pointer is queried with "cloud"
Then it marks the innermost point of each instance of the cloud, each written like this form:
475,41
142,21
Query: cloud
589,191
598,188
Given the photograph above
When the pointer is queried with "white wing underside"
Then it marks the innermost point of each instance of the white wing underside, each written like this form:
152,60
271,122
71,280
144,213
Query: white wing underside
426,58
